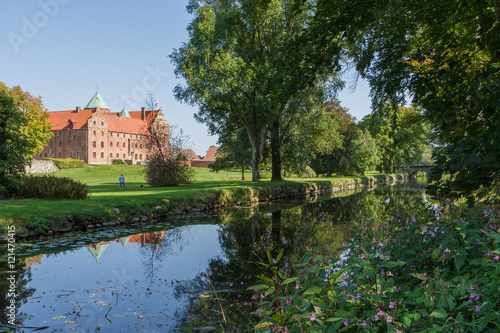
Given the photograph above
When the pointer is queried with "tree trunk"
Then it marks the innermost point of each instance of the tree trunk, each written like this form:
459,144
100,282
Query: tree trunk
242,173
256,137
275,151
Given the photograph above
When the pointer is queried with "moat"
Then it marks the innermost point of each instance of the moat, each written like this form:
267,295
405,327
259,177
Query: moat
147,278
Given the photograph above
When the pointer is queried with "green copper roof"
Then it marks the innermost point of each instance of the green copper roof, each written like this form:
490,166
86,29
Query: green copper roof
97,101
124,113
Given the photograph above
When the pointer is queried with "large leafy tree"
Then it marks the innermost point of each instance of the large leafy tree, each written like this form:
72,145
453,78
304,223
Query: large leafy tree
24,129
334,156
445,55
402,136
247,65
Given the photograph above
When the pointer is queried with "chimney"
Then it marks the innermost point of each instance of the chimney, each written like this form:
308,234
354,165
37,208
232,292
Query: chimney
143,113
78,109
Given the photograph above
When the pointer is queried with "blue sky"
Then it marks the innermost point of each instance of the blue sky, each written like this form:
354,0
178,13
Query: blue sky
62,50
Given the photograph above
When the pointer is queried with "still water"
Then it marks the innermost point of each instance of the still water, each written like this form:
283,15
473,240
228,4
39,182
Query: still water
145,279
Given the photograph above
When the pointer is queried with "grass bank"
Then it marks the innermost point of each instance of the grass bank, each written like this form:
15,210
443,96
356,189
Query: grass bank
108,201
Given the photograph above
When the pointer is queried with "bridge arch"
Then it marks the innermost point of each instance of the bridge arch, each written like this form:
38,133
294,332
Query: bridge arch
425,168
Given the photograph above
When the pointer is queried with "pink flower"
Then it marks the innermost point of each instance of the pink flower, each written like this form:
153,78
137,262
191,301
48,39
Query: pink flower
362,256
296,286
313,317
478,308
447,250
346,322
496,258
389,319
389,274
364,323
391,305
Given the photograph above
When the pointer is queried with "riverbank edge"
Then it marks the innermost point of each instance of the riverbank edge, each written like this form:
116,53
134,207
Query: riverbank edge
114,215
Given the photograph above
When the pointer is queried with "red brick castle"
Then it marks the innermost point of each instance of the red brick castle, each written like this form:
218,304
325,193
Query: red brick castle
98,136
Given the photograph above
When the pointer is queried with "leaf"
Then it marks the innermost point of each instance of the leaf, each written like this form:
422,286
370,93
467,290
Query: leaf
280,255
264,324
439,313
265,278
459,261
391,264
269,291
58,317
420,276
258,287
289,280
312,291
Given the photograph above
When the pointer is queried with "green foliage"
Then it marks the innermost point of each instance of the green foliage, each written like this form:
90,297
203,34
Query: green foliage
39,225
47,187
448,62
402,134
364,152
308,173
24,130
117,162
246,65
336,157
67,163
411,273
160,172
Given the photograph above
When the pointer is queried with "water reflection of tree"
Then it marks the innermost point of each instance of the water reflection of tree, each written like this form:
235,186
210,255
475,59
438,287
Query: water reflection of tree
161,245
23,292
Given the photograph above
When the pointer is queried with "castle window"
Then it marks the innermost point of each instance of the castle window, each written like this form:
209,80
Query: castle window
60,143
102,155
123,155
79,144
94,124
94,144
94,155
70,154
118,144
135,156
102,123
110,134
64,133
45,154
59,154
111,144
69,133
111,155
69,141
102,133
50,143
140,156
102,144
94,131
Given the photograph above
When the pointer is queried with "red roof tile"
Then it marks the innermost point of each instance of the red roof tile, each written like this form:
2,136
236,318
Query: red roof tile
211,154
134,125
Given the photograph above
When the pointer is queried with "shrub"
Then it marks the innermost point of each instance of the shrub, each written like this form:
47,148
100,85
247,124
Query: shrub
308,173
66,163
159,172
38,225
117,161
48,187
419,274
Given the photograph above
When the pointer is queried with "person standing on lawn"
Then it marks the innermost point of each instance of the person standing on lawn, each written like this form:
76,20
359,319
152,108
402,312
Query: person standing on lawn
122,180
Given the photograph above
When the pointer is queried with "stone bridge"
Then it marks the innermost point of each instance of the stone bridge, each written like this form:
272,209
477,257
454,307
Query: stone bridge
424,168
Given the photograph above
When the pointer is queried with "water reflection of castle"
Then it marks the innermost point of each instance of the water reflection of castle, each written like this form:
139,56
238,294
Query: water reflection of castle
156,238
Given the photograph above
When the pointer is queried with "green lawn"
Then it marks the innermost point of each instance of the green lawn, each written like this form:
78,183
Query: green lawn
103,183
133,199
